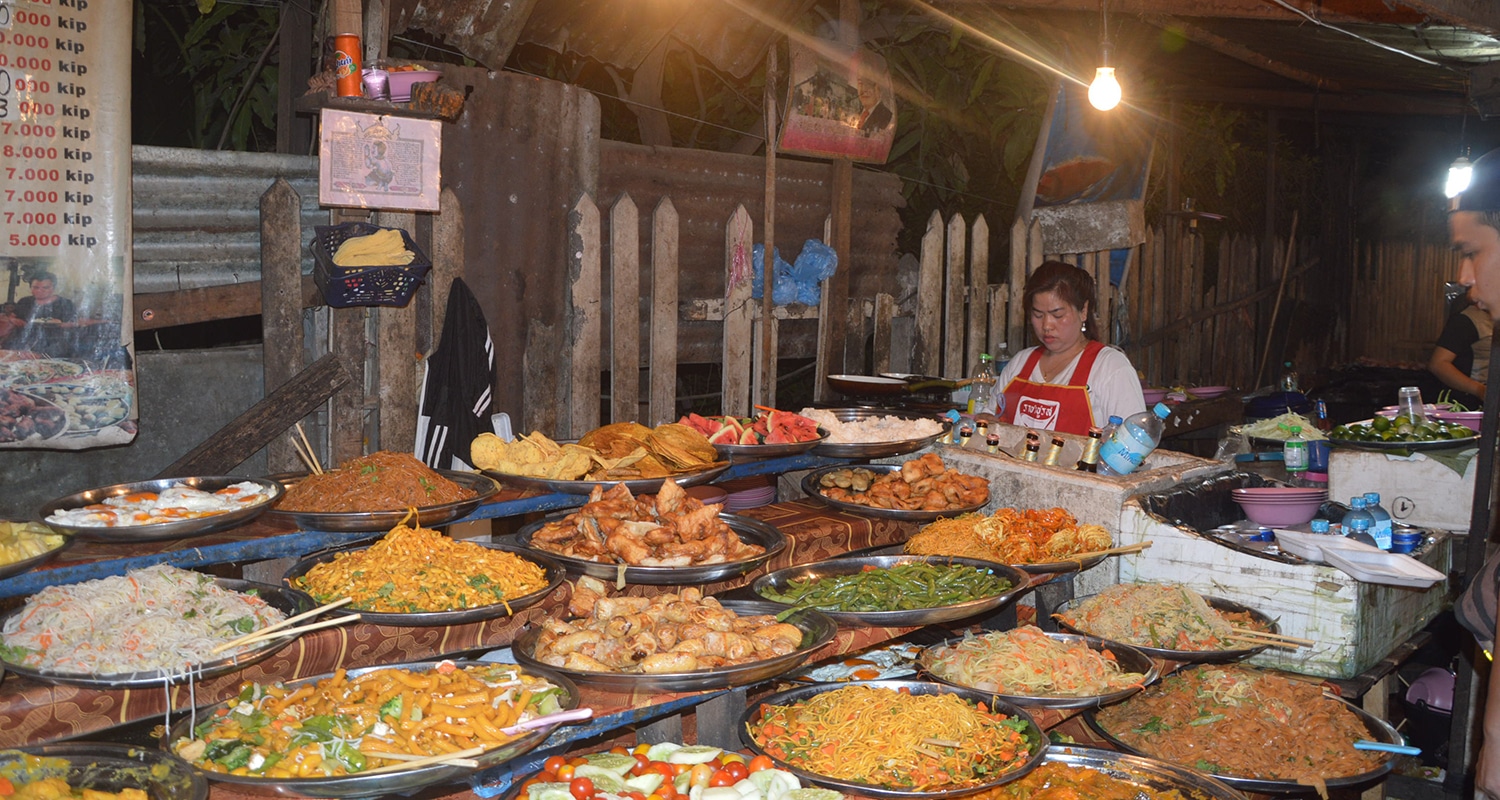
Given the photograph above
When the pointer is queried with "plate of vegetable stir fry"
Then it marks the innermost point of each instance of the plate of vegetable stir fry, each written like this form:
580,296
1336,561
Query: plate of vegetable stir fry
1030,667
369,732
897,591
1167,621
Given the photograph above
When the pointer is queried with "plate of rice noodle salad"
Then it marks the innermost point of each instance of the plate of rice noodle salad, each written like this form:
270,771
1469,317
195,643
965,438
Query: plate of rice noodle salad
148,627
1167,621
1038,540
416,576
96,771
373,493
1086,772
1029,667
895,738
1255,730
361,733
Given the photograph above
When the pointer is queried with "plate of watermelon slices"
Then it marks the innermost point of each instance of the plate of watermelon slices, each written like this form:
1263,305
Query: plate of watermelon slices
771,434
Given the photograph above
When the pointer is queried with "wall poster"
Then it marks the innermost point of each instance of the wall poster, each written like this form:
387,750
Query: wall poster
66,375
839,107
379,161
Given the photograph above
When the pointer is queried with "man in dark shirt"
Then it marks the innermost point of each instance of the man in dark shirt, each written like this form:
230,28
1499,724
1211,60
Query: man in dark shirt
1461,359
40,321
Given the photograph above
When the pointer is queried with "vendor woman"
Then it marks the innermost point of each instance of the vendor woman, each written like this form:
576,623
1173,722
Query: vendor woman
1072,381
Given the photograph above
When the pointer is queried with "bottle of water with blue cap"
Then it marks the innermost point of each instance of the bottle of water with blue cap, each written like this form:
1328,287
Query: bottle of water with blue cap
1134,439
1382,529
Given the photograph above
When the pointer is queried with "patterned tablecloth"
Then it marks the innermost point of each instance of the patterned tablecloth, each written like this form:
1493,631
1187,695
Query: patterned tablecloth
32,712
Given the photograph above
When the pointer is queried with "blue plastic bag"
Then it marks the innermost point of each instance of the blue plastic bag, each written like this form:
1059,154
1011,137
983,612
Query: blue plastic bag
783,293
799,282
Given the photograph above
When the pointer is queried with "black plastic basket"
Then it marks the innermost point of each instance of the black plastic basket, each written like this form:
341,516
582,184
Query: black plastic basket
343,287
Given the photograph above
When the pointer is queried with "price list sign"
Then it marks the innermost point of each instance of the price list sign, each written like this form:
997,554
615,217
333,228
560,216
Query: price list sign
66,380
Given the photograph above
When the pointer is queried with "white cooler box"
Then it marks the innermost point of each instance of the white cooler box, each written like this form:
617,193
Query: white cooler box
1416,490
1355,624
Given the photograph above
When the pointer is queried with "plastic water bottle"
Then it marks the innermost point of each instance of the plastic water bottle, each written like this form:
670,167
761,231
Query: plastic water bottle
1105,434
1134,439
1002,357
1358,520
1382,529
1294,456
982,389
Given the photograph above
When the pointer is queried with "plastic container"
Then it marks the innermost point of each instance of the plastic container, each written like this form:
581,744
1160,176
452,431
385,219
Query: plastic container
1406,542
1358,521
982,389
1382,528
1294,454
343,287
1409,403
1133,440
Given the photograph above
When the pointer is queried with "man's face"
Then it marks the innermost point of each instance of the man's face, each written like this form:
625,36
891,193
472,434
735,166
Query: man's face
41,291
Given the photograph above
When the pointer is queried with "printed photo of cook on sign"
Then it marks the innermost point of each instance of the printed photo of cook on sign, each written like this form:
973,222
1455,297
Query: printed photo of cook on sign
839,105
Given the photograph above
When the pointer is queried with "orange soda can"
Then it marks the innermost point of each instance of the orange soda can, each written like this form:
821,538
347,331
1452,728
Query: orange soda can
346,65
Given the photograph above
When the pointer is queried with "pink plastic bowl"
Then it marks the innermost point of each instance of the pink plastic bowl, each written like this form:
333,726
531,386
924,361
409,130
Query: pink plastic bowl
1278,512
401,82
1154,396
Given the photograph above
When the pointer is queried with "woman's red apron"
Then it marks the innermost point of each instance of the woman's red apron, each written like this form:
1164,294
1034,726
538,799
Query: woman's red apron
1048,406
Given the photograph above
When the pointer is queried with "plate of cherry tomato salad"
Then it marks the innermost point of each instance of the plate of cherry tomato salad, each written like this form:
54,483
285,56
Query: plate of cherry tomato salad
665,771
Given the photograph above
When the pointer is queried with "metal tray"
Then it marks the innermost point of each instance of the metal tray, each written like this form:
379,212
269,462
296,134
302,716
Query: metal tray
289,601
750,452
385,783
1047,568
878,449
1148,773
17,567
750,531
778,580
161,530
381,521
432,619
107,767
1130,659
1187,656
1440,444
1033,734
811,488
817,630
636,486
1379,730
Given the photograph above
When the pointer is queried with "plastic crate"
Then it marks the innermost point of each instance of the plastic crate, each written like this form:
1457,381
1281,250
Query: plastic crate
343,287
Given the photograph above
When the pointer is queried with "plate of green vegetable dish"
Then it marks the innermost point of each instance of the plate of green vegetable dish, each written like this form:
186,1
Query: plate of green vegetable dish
1400,433
896,591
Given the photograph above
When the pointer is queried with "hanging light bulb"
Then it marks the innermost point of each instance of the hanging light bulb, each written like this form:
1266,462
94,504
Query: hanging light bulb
1459,174
1104,92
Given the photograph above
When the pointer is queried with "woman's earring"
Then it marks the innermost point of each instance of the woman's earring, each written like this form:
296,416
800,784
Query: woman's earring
1085,328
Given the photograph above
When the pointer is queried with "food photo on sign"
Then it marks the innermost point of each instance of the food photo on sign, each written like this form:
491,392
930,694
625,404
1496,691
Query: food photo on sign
840,104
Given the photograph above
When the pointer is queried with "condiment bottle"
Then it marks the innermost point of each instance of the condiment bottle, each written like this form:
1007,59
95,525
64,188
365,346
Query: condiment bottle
992,443
1054,452
1033,446
965,434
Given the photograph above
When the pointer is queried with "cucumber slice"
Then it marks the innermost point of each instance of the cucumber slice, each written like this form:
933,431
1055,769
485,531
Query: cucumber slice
645,783
596,774
814,793
660,751
614,762
549,791
604,782
694,754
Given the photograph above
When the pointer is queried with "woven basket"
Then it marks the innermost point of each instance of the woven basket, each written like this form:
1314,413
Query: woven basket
343,287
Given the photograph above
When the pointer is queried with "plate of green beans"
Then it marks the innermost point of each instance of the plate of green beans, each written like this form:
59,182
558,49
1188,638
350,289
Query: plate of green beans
897,590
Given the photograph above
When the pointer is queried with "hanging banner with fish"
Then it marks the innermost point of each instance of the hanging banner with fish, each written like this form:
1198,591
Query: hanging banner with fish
840,105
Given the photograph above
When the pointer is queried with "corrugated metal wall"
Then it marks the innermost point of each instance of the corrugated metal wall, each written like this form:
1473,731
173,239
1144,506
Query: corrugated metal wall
197,214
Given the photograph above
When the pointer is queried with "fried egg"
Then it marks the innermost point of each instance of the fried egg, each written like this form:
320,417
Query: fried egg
174,504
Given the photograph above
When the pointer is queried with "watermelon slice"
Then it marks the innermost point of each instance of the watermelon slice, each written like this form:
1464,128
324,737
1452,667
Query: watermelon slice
725,435
750,437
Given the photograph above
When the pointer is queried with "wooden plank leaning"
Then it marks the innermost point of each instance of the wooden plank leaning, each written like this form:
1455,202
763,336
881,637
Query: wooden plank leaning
281,300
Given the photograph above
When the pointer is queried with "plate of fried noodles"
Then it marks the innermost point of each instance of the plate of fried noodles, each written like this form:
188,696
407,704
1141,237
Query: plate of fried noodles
1069,771
374,492
1256,730
895,738
1167,621
1038,540
1030,667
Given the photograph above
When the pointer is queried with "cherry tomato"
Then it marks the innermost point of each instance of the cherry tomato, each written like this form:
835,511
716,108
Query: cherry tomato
581,788
678,769
701,775
737,770
761,762
578,762
545,777
731,758
565,772
635,796
620,750
554,764
667,790
668,771
640,749
721,777
717,762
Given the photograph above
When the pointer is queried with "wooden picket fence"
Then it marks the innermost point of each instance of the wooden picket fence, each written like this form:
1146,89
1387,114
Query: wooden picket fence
1398,309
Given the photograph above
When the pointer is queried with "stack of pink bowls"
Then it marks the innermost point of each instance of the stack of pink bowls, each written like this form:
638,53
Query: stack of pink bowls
1280,505
752,492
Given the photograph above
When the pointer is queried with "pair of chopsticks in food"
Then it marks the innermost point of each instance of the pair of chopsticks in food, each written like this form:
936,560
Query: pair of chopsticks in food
280,629
1259,638
465,758
1113,551
306,452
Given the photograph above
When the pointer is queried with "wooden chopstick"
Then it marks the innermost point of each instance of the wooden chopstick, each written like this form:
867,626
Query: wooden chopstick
428,761
282,624
1128,548
312,455
1262,642
457,762
327,623
1247,634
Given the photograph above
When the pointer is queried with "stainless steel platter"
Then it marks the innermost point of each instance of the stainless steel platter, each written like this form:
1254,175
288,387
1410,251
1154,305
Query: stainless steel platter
106,767
483,486
289,601
781,579
1439,444
1379,730
1147,773
1129,658
750,531
401,782
1187,656
1047,568
555,575
877,449
817,630
812,488
636,486
180,529
750,452
1034,736
17,567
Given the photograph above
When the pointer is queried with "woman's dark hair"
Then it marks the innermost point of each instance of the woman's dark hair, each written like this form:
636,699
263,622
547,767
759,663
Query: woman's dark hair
1073,285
